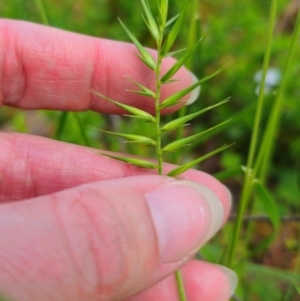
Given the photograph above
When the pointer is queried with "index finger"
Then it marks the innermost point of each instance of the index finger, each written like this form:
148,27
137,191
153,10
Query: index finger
48,68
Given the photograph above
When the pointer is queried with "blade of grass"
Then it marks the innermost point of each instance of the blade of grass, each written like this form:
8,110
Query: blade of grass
42,12
82,129
175,30
175,98
144,90
132,110
180,169
144,54
263,162
150,20
163,6
178,144
247,185
133,161
174,124
270,208
131,137
181,61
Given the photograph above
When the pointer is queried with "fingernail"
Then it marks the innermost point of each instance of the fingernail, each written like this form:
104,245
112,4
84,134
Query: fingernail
231,276
185,214
216,209
195,93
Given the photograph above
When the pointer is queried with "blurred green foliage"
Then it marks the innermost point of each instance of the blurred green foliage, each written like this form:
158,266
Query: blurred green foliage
238,38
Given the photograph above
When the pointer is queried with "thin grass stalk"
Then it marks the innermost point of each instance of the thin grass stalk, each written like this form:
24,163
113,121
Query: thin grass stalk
266,150
82,129
61,124
180,285
262,163
178,275
249,174
42,12
157,108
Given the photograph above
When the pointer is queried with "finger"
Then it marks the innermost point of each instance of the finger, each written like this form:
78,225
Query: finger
33,166
105,240
48,68
202,281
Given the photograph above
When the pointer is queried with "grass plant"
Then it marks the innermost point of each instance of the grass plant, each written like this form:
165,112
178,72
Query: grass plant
260,151
265,188
164,44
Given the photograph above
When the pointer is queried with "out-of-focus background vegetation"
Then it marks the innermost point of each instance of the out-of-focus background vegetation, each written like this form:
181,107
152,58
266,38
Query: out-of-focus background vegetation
238,38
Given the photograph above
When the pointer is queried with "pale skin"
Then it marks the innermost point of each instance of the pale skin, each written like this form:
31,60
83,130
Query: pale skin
75,225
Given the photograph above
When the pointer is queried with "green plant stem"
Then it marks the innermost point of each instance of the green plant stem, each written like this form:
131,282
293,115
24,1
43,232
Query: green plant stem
157,108
249,173
265,153
180,286
82,129
178,275
61,124
42,11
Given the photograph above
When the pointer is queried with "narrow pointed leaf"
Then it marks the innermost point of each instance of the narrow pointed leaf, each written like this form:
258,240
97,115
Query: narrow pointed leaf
180,62
173,53
133,161
134,138
132,110
268,203
173,80
152,32
144,90
174,124
175,98
296,286
175,30
150,22
163,10
145,56
175,145
169,22
270,207
180,169
140,92
141,118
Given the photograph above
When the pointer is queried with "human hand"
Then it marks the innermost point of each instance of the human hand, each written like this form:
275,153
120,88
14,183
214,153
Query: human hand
75,225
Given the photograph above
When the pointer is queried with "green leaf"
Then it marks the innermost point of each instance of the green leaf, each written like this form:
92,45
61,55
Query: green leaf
175,145
171,37
163,10
297,287
145,55
132,138
180,62
133,161
150,22
173,53
270,207
175,98
132,110
174,124
268,203
180,169
144,90
169,22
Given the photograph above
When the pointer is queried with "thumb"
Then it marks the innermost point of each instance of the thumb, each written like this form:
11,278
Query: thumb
105,240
